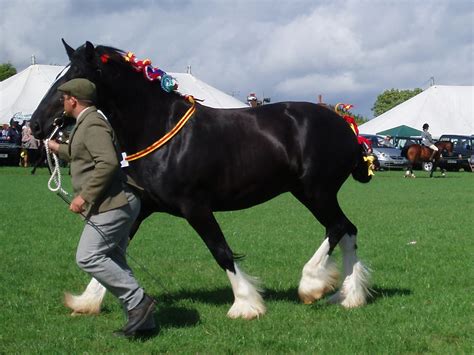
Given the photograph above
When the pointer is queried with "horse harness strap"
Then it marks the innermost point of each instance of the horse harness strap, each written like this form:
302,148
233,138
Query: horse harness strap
163,140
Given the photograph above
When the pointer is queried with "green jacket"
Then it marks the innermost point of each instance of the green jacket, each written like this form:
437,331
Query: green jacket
95,167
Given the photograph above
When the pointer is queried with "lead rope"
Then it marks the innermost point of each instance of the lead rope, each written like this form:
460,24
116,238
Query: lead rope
54,182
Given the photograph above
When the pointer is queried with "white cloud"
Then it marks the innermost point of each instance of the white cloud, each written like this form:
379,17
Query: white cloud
291,50
316,83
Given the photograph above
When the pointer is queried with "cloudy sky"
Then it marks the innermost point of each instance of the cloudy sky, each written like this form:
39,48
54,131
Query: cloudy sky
348,51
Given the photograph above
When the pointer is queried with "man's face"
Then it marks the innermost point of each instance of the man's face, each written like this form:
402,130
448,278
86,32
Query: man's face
69,103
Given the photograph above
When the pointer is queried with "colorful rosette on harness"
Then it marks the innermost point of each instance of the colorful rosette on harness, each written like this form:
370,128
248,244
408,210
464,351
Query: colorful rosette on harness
168,83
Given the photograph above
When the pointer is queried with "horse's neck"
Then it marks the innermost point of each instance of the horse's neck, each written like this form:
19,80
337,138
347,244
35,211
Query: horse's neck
141,121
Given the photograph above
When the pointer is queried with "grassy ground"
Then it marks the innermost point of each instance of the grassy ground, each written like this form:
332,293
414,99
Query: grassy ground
416,235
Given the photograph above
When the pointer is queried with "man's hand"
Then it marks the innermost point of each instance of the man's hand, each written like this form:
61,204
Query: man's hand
53,145
77,204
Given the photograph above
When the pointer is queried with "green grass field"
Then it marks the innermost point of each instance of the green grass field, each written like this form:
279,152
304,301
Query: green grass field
415,234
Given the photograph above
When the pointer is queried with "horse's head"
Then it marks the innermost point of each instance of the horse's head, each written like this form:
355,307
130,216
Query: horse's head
85,62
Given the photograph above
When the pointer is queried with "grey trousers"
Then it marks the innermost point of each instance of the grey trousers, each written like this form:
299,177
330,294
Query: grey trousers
102,255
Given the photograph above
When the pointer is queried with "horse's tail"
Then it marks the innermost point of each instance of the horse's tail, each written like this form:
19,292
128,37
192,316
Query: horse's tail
404,152
362,170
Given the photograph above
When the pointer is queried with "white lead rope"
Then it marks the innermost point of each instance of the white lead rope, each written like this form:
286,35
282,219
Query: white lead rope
54,182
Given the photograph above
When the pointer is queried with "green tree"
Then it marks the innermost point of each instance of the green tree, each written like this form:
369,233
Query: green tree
359,119
391,98
6,70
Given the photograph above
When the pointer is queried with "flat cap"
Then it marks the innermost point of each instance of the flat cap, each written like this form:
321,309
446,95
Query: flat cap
81,89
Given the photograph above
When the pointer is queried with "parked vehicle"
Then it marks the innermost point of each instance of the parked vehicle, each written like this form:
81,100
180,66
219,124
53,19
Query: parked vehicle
388,156
463,153
9,153
401,142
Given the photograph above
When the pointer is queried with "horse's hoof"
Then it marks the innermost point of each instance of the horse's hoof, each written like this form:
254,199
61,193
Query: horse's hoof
246,311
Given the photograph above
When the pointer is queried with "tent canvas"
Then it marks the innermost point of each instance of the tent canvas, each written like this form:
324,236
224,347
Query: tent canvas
401,131
189,84
447,109
23,92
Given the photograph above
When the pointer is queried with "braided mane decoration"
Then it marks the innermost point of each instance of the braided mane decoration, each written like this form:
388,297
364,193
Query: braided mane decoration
168,83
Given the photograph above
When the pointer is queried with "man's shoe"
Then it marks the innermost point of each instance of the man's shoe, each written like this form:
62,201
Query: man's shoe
139,315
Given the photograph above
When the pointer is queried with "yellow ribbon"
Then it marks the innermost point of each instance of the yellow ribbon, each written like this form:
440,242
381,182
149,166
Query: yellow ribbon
370,164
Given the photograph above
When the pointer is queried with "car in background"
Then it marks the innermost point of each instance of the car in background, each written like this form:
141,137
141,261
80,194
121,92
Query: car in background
463,153
402,141
9,153
388,156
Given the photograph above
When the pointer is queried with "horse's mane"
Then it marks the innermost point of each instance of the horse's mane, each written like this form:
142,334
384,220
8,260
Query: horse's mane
116,57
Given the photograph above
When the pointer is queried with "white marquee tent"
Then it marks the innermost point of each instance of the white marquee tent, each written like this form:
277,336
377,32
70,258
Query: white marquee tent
447,109
21,93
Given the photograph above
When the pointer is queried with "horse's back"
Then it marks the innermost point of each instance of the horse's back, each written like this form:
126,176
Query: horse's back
295,133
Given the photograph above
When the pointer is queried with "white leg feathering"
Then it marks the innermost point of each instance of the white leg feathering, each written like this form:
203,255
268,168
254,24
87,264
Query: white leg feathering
319,276
248,302
355,287
87,303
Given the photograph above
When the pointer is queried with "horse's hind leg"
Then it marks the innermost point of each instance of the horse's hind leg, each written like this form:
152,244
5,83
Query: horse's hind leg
355,287
248,302
320,273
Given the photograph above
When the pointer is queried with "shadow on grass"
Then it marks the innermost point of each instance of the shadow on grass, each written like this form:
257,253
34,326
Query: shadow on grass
176,317
380,292
222,296
218,296
169,315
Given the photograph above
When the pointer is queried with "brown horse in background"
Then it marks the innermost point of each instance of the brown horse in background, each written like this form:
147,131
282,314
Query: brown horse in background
417,153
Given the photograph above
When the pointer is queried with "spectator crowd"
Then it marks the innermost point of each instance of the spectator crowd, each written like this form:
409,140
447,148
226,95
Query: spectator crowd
21,136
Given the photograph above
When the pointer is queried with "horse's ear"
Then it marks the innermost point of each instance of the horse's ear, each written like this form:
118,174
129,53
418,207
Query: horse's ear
89,51
69,50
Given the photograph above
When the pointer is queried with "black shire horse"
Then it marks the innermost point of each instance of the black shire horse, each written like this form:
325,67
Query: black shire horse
222,160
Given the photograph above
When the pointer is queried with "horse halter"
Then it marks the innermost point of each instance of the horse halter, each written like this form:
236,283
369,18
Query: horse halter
59,124
54,182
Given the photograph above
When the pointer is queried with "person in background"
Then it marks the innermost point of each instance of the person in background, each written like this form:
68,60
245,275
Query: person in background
105,197
428,141
4,132
29,146
14,135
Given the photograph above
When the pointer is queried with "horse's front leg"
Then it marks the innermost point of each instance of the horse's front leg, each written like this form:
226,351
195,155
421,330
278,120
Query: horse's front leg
89,301
248,302
409,171
433,169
